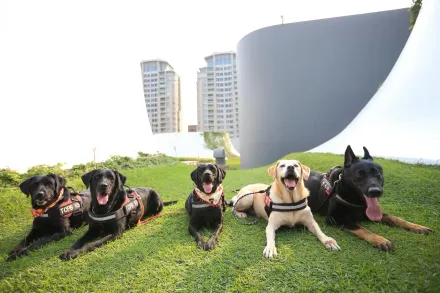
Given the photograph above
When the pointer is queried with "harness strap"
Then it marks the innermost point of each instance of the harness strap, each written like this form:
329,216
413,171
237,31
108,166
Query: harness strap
244,195
129,207
340,199
66,209
207,204
332,191
133,194
282,207
43,212
116,215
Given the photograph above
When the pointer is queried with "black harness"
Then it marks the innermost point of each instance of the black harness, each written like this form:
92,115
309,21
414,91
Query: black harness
270,206
332,191
129,208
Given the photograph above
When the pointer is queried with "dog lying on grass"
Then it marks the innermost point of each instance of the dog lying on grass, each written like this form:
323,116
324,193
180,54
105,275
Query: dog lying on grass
349,194
56,213
113,210
206,204
284,203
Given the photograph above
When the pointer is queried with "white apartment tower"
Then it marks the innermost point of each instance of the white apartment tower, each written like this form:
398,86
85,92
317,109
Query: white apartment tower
162,96
217,94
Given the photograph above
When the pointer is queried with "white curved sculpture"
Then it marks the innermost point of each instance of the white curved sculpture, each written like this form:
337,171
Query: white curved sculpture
402,120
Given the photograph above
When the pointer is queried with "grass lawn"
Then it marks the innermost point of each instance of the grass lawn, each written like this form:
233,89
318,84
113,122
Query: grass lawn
161,256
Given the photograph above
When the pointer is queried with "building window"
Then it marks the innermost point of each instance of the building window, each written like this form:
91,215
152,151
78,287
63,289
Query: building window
223,59
150,67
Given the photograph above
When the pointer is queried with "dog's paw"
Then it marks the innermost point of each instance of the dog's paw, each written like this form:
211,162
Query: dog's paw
200,243
16,250
331,244
240,214
421,229
13,255
270,251
382,243
209,245
68,254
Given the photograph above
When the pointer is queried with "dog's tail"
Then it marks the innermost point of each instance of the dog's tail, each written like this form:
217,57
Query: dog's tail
168,203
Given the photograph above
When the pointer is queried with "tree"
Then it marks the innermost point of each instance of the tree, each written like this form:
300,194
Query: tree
414,12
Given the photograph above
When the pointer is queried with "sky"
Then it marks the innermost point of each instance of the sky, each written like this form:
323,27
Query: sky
70,70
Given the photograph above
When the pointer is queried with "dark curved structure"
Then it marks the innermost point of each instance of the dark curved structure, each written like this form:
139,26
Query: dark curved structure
300,84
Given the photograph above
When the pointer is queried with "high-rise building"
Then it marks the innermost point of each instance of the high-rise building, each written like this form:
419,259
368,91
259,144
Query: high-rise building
217,95
162,96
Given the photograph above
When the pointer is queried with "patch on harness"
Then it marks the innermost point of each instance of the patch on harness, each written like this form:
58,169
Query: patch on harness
69,208
131,206
327,186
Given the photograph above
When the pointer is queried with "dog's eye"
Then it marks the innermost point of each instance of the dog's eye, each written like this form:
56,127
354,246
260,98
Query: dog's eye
282,166
360,174
376,172
296,166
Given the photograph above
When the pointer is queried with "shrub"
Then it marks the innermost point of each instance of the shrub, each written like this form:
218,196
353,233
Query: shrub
9,177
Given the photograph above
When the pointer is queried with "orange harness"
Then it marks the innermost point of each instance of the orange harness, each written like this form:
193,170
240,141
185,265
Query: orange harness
65,209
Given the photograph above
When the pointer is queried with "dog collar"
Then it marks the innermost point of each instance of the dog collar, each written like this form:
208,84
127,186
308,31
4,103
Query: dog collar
211,200
132,201
42,212
340,199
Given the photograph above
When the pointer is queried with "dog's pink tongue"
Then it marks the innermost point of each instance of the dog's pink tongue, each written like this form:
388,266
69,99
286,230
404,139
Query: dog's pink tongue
102,198
374,212
290,183
207,187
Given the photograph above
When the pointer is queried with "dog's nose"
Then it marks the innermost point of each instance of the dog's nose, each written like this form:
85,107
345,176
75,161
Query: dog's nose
374,191
40,194
103,185
290,168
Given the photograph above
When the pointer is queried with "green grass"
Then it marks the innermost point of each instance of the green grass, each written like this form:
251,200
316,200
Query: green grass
161,256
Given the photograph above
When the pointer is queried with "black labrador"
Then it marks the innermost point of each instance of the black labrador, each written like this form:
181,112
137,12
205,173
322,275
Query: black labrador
56,212
206,204
113,210
349,194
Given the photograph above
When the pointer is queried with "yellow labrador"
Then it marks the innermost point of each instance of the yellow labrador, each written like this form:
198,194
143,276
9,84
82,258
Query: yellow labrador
284,204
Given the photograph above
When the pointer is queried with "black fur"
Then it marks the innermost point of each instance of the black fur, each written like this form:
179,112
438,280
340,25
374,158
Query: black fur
359,177
98,234
44,190
207,217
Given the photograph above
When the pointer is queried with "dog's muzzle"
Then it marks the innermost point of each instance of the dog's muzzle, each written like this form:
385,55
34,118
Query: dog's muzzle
290,180
208,182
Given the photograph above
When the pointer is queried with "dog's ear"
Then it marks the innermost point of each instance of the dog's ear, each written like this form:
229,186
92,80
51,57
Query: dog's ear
195,175
120,179
273,170
367,154
221,174
25,186
87,178
305,171
350,157
60,182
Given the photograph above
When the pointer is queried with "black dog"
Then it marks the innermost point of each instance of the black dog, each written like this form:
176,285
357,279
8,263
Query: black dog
206,204
347,195
113,209
55,212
